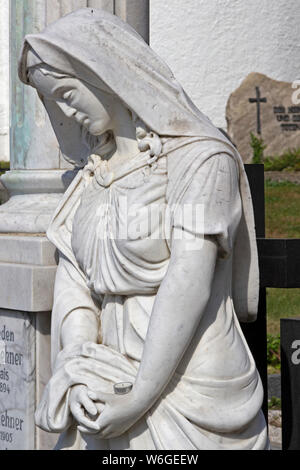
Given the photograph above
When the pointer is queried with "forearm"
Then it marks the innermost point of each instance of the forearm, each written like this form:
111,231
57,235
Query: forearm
75,317
80,326
179,306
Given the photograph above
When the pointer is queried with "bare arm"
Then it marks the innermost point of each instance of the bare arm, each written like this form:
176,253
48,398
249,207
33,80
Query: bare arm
179,306
75,316
79,327
76,321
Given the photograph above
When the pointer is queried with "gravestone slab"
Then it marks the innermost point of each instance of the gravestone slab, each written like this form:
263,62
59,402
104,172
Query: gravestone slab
27,271
269,109
290,382
17,380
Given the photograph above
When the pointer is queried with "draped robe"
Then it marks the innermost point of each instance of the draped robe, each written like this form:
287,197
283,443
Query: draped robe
214,398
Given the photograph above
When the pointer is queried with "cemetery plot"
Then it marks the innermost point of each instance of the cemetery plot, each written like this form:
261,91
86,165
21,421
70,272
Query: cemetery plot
267,108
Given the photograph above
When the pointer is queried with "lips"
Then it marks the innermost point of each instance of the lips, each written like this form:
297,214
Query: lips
82,119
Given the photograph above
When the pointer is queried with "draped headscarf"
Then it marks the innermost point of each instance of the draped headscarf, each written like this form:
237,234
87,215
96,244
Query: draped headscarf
97,47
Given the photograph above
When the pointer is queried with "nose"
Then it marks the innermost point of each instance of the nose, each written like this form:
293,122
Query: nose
79,117
70,112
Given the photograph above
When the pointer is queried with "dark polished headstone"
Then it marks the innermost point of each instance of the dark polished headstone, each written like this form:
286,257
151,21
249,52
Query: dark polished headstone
256,333
290,382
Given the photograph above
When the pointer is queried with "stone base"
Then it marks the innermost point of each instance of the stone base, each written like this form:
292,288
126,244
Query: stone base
24,371
34,196
28,214
27,272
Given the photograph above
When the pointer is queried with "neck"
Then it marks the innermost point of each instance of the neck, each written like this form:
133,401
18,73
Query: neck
125,136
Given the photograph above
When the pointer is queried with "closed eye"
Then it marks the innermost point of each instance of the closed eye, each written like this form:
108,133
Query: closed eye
66,109
67,95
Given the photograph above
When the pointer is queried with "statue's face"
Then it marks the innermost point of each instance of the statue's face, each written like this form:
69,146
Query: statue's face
89,106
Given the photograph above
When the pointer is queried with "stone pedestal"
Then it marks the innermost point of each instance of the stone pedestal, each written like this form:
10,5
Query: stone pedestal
34,195
24,371
27,273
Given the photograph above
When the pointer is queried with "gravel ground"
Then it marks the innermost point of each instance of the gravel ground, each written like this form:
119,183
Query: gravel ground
275,429
283,176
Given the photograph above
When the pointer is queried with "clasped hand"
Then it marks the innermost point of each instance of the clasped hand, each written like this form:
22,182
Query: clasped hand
105,415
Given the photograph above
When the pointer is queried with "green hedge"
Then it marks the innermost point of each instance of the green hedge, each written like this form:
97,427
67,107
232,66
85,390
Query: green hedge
4,166
288,161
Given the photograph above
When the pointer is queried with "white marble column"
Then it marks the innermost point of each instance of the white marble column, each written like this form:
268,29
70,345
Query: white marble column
136,13
36,182
38,174
108,5
4,80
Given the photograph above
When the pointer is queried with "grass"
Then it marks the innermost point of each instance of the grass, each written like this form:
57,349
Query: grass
282,209
274,403
282,221
281,303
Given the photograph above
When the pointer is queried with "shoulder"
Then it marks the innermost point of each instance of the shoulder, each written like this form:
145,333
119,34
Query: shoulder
203,164
215,181
224,166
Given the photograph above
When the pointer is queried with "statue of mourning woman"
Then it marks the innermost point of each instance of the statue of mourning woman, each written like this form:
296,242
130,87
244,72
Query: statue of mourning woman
157,253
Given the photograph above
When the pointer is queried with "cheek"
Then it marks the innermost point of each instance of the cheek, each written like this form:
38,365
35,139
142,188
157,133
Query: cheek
99,123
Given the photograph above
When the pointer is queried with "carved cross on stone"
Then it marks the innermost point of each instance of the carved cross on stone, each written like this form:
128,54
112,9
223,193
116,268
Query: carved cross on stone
258,100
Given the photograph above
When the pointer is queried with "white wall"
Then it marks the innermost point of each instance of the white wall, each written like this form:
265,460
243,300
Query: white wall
212,45
4,80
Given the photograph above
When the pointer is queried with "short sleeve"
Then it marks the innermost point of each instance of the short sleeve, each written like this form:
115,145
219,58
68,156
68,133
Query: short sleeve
210,203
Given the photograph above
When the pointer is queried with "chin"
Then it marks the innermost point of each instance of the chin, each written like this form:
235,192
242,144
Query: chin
95,129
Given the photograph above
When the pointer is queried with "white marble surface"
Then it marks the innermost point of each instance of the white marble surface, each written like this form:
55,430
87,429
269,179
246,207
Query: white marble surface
121,296
27,272
30,264
24,371
27,250
44,440
34,196
17,381
34,292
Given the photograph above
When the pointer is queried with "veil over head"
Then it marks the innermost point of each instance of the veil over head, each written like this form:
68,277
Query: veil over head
98,47
94,45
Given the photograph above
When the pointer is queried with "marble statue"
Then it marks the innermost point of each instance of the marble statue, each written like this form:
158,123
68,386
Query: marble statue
147,348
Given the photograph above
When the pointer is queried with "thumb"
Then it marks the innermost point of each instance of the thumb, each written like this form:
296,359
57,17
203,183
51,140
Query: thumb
99,395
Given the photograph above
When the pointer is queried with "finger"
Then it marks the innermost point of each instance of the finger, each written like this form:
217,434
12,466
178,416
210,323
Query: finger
88,404
100,407
83,420
98,395
75,410
102,421
85,430
80,417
